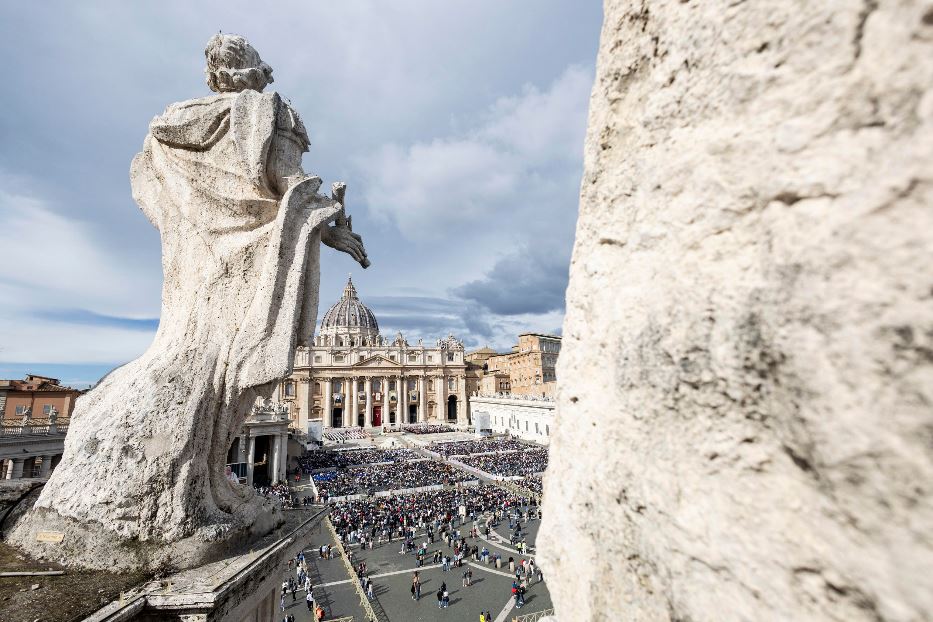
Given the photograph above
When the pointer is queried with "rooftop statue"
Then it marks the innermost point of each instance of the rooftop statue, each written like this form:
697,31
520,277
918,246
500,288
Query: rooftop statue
141,483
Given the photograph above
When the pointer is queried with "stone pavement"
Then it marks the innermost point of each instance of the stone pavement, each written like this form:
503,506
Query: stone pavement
392,572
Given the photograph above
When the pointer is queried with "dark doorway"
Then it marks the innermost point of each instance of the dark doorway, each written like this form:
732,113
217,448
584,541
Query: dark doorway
391,417
261,460
412,413
361,418
338,418
377,416
452,408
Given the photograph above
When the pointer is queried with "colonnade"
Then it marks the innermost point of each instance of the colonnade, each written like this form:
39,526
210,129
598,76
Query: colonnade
359,389
20,467
276,456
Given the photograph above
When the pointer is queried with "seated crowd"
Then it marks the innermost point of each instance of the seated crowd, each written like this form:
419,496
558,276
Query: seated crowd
534,483
510,464
395,476
342,435
464,448
314,460
428,428
278,492
435,512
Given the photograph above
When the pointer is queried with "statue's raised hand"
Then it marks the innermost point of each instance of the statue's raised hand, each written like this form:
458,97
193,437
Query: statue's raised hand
341,237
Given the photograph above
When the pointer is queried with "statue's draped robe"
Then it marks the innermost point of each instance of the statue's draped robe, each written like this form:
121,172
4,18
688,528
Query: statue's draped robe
145,452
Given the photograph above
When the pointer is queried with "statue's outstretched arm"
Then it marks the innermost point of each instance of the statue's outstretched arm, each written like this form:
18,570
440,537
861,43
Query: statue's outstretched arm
340,236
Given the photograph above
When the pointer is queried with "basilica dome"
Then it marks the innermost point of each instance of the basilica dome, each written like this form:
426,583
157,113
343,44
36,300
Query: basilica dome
349,316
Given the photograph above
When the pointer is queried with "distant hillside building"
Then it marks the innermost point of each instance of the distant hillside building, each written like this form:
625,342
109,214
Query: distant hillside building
529,367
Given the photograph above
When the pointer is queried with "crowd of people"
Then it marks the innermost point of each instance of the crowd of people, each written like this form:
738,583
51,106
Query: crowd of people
279,492
396,476
342,435
510,464
435,513
486,445
428,428
534,483
316,460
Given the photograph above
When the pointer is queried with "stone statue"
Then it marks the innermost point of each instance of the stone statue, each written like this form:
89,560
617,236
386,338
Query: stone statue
142,483
53,415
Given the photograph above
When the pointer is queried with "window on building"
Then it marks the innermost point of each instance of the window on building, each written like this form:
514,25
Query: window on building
391,385
547,430
430,359
537,429
412,358
451,384
450,357
412,385
46,409
377,386
20,409
393,357
317,388
526,425
338,386
289,389
317,358
360,358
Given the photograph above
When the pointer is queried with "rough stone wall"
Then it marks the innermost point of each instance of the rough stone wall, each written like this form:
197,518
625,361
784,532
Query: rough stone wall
744,421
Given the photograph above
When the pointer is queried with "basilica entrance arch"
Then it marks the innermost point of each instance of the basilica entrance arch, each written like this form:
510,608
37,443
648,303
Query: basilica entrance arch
452,408
338,418
377,416
412,413
391,417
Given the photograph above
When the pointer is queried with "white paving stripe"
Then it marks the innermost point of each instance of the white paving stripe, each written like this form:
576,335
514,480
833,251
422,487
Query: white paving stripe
428,567
505,610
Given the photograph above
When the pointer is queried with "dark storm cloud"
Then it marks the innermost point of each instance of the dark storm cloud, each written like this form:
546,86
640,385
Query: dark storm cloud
525,282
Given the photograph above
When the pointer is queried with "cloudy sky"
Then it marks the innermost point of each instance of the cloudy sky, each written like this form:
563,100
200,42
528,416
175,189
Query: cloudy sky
458,127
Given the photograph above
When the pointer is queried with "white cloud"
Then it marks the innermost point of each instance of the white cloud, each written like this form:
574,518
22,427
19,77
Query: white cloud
52,263
503,169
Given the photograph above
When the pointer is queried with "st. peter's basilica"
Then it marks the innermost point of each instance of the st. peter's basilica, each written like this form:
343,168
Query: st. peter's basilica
352,376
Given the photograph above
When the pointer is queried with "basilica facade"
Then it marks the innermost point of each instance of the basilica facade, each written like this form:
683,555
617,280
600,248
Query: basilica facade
352,376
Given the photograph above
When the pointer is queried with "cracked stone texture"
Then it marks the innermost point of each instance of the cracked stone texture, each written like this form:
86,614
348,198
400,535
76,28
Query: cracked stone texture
748,345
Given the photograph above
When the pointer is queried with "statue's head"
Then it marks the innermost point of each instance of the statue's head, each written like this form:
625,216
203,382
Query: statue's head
233,65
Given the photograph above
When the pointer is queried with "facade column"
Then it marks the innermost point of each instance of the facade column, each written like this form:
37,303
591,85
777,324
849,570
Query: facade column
15,470
422,413
368,388
250,460
272,464
46,465
355,385
403,400
441,394
385,401
283,457
241,448
328,402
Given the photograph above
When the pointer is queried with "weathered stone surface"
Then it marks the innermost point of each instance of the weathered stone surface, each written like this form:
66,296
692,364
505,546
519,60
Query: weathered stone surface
141,483
744,422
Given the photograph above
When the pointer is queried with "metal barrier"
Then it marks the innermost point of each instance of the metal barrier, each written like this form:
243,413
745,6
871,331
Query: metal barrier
533,617
365,603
